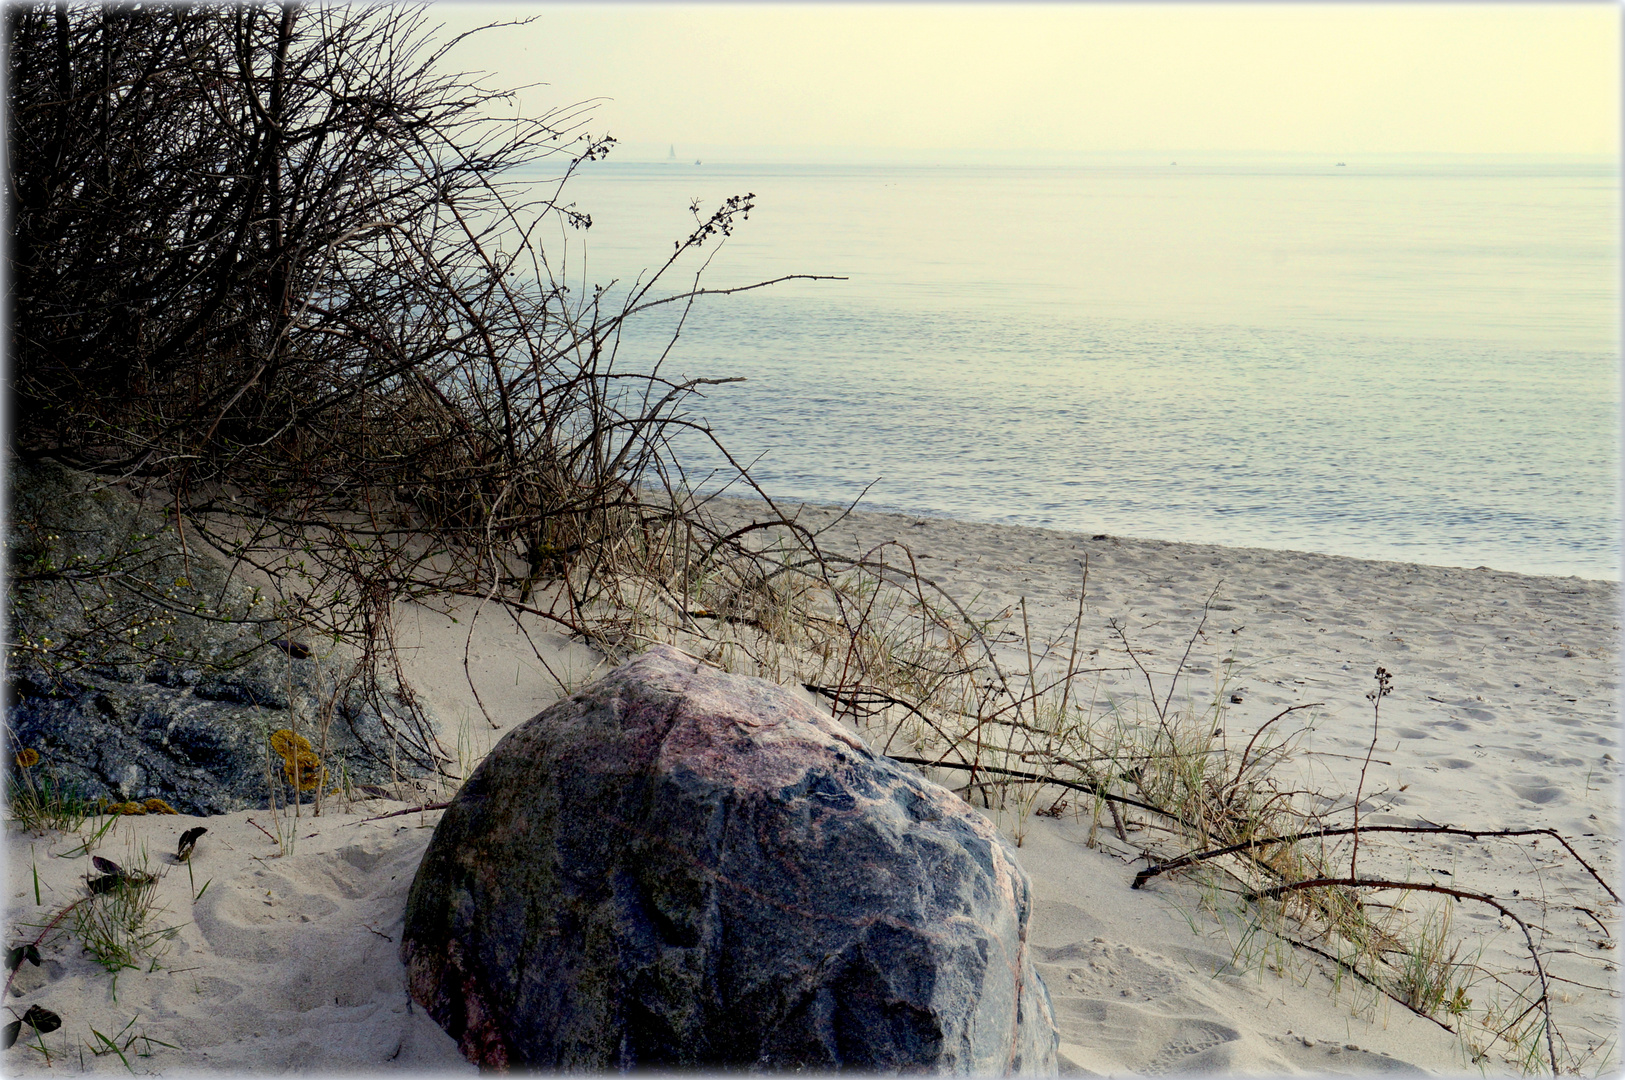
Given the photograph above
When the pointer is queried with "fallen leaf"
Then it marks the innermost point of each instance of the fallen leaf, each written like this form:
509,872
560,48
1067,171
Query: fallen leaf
43,1019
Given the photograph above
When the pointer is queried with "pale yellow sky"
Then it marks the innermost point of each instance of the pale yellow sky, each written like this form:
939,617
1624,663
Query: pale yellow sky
1316,78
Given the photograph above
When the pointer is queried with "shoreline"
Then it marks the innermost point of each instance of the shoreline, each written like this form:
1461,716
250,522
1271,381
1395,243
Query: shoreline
1061,531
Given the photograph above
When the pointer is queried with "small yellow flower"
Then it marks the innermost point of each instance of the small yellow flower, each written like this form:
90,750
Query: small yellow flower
27,758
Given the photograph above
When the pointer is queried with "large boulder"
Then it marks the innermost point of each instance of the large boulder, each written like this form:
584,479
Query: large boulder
677,867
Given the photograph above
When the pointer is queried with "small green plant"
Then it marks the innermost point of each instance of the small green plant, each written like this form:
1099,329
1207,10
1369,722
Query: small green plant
114,926
87,843
467,755
43,803
120,1044
41,1019
187,843
18,953
104,1045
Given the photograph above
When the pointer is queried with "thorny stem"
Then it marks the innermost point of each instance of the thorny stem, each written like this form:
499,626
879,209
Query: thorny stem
1077,627
1292,838
1241,769
1075,785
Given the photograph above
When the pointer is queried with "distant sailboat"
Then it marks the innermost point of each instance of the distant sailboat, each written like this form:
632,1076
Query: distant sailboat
672,155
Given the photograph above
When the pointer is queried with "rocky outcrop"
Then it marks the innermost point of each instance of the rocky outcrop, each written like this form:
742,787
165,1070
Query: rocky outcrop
681,868
140,670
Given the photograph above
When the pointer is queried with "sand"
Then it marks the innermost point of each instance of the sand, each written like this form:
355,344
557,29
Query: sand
1503,714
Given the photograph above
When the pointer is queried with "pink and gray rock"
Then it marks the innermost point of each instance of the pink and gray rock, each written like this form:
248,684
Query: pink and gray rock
682,868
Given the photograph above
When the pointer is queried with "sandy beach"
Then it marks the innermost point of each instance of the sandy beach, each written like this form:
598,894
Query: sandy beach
383,376
1504,714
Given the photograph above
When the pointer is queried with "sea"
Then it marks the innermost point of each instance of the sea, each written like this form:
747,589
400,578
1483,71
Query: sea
1398,358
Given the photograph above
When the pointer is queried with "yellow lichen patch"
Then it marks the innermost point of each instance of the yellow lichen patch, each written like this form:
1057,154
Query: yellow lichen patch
309,768
285,742
123,808
27,758
158,806
299,761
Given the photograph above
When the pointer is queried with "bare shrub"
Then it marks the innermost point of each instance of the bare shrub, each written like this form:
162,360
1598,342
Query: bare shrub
279,269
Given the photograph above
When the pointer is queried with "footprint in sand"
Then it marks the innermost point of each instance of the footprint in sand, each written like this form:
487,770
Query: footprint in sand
1104,970
1541,795
1103,1037
1121,1010
259,924
1182,1040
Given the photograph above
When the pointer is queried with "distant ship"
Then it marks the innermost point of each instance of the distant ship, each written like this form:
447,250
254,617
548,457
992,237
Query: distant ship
1340,164
672,155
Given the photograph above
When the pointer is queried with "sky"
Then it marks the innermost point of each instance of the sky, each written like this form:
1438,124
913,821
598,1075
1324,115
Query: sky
1058,78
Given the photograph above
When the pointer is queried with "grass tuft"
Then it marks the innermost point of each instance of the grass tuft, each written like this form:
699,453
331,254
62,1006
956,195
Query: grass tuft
115,925
42,803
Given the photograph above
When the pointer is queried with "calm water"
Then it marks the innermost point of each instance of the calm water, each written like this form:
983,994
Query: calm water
1398,360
